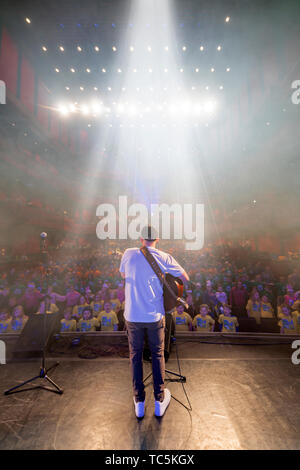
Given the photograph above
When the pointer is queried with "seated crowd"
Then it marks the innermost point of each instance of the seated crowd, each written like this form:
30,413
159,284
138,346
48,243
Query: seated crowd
89,294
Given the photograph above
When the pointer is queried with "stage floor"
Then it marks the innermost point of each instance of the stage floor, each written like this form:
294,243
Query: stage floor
242,397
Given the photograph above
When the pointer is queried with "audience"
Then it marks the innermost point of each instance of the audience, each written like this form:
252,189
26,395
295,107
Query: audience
225,289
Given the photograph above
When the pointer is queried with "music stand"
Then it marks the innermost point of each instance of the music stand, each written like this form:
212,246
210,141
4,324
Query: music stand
43,371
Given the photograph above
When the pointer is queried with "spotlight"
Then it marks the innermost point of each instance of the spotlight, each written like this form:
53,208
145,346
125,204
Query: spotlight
79,48
72,70
61,48
109,88
104,70
201,48
228,69
209,107
97,49
134,70
67,88
95,88
184,48
166,70
114,48
181,70
197,70
150,70
81,88
221,87
119,71
85,110
88,70
166,48
28,20
56,69
149,49
44,48
131,48
72,108
219,48
63,110
227,19
212,69
96,107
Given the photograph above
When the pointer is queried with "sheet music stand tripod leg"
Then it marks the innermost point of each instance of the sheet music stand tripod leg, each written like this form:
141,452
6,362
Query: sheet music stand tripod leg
43,371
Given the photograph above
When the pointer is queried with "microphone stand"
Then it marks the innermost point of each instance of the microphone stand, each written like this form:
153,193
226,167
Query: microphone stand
43,374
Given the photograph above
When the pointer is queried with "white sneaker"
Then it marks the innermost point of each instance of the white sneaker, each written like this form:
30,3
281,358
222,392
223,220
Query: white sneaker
161,406
139,407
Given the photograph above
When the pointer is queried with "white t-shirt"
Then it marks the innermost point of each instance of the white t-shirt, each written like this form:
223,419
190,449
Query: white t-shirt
143,290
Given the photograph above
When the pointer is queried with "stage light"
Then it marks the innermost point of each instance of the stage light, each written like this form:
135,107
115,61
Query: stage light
212,69
132,111
89,125
97,49
79,48
181,70
114,48
56,69
149,49
28,20
88,70
131,48
221,87
72,70
119,71
123,89
267,123
109,88
96,108
166,70
207,87
67,88
103,70
81,88
201,48
85,110
227,19
228,69
134,70
219,48
184,48
197,109
72,108
61,48
44,48
120,108
150,70
63,110
166,48
197,70
209,107
95,88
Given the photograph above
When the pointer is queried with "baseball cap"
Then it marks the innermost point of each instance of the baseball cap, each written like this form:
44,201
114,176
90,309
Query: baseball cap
149,233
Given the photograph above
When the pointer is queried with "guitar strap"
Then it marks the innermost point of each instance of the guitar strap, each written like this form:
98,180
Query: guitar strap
157,270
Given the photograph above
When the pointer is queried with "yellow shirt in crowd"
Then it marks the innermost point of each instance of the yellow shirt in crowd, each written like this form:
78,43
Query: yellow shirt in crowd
229,324
254,310
182,321
288,324
87,325
67,325
107,320
205,323
266,310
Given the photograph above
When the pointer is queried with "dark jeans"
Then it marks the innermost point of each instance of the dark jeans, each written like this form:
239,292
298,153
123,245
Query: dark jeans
156,338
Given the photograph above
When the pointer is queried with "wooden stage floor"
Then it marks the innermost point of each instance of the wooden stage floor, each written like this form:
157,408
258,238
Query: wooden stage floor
242,397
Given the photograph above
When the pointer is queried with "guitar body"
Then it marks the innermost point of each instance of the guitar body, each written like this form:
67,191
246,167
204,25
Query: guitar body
176,286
